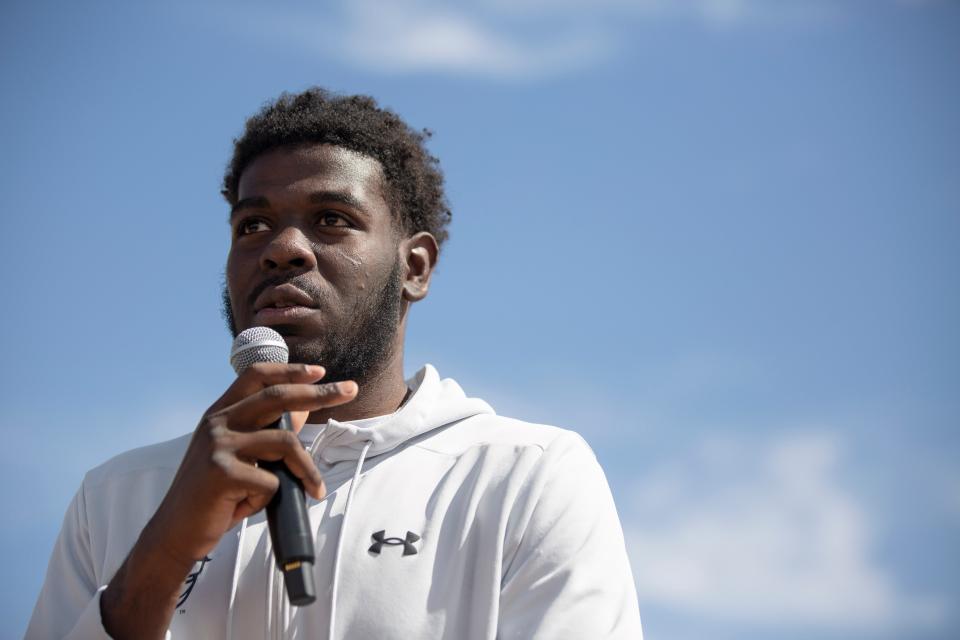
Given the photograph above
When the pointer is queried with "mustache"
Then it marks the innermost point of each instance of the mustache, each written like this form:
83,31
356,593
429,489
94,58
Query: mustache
301,281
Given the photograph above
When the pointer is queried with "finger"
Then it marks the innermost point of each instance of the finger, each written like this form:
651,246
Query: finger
244,478
282,447
249,506
261,375
265,406
275,445
298,419
255,488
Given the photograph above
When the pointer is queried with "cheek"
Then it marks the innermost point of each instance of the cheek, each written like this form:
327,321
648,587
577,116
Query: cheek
375,272
352,261
351,269
234,281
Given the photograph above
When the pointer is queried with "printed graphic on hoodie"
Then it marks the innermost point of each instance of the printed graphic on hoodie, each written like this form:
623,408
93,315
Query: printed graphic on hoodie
191,582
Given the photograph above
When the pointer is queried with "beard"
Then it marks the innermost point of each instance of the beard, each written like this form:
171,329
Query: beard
358,348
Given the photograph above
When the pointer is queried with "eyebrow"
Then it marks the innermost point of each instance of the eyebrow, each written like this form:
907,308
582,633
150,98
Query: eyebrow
249,203
317,197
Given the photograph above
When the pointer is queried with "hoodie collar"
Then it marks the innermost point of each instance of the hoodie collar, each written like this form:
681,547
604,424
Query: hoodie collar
433,403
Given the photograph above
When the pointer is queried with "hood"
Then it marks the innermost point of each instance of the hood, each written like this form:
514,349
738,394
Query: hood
433,403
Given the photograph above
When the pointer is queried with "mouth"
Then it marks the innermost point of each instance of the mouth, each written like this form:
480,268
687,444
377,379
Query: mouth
282,303
273,315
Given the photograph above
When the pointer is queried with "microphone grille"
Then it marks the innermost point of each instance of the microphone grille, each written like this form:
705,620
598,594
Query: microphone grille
257,344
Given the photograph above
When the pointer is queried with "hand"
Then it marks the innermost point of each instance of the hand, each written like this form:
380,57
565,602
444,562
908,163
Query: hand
217,485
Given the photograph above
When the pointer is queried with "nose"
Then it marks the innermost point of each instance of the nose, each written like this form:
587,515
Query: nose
288,249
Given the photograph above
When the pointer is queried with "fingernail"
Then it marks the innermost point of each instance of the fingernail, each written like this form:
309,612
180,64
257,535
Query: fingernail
315,370
347,387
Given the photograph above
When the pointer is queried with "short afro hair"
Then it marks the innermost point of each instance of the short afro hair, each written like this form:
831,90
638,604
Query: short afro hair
317,116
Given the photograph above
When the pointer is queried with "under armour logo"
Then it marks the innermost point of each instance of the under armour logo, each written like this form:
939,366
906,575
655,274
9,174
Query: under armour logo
379,540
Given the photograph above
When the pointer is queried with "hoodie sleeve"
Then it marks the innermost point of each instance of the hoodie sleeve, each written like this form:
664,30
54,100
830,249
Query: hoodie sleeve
568,576
69,602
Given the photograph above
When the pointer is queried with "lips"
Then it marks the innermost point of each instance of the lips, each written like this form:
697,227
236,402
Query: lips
284,302
282,296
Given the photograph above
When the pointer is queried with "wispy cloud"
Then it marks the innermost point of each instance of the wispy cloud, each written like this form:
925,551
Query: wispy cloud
764,535
422,37
398,38
710,13
505,39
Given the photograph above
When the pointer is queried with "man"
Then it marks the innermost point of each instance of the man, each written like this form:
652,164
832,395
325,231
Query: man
434,517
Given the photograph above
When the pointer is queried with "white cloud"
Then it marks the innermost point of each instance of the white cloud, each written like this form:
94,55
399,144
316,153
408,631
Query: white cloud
710,13
765,535
494,38
410,36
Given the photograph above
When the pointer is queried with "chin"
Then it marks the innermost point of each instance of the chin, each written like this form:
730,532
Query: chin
305,350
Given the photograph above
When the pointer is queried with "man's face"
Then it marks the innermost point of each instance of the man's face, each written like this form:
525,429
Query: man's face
314,255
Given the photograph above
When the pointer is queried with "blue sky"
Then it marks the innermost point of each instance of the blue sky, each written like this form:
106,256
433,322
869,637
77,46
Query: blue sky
719,238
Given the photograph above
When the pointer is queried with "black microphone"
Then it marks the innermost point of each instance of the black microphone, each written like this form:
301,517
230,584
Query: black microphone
287,517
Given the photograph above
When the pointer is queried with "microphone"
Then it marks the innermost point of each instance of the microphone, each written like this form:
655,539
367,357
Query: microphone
287,517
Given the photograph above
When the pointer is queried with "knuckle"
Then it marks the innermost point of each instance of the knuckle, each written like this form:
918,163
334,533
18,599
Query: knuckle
326,390
222,462
221,437
208,429
298,371
249,374
257,370
211,422
290,439
274,392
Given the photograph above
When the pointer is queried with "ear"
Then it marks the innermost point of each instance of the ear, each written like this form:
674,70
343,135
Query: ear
419,255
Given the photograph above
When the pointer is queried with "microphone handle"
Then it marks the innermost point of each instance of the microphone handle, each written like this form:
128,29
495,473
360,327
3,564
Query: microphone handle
290,529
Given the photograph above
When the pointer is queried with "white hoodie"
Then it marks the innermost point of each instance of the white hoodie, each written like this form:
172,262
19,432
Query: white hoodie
442,520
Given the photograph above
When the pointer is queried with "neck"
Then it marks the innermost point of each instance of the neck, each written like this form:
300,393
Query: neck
379,394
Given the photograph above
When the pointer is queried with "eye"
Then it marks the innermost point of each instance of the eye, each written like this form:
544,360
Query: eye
251,225
333,219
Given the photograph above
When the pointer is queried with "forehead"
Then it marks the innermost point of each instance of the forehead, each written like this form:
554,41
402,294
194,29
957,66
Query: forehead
307,169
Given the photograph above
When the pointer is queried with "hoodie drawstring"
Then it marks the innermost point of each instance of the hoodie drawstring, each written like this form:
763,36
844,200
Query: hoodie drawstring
340,538
234,580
